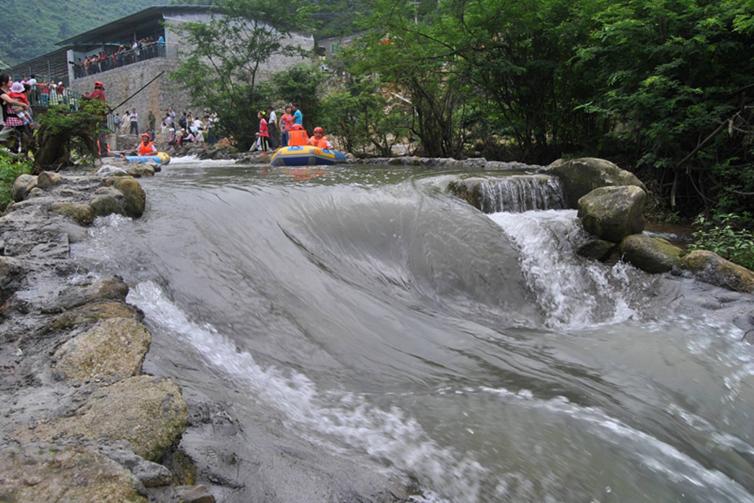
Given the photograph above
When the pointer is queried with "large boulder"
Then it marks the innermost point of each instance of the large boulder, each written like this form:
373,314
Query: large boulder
147,412
612,213
712,268
46,472
107,201
136,198
653,255
81,213
111,350
581,176
112,288
22,186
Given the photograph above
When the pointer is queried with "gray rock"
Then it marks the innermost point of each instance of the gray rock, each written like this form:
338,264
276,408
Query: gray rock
109,170
139,170
194,494
612,213
653,255
107,201
81,213
22,186
112,288
596,249
48,179
581,176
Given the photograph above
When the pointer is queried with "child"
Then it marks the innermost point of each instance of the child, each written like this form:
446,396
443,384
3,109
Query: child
18,93
264,132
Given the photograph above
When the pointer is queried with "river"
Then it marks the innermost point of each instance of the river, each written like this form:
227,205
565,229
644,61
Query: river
360,329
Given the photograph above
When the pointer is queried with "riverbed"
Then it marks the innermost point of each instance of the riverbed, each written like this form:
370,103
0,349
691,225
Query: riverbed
357,334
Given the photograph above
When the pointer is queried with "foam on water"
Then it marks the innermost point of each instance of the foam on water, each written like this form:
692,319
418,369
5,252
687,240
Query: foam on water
389,435
571,292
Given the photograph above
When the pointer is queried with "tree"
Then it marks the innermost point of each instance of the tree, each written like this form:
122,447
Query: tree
221,66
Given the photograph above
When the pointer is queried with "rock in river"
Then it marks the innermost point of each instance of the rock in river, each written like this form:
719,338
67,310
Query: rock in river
612,213
82,213
596,249
148,412
581,176
47,472
48,179
653,255
111,350
135,197
712,268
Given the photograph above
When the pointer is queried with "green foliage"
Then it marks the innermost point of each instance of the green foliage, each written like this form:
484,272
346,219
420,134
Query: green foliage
32,29
662,87
231,49
365,119
725,236
10,168
64,135
301,85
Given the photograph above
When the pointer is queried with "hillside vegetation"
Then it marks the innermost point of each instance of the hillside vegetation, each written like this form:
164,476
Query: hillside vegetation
32,28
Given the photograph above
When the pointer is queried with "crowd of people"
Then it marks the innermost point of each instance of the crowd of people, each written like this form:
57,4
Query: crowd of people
122,55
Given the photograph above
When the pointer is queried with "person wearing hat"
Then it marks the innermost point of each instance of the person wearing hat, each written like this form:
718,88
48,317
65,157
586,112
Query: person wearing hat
98,93
146,147
18,92
319,139
11,120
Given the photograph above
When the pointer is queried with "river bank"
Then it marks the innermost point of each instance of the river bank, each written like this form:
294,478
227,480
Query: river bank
82,422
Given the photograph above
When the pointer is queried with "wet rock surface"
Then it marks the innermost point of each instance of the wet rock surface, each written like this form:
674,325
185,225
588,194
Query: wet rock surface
71,353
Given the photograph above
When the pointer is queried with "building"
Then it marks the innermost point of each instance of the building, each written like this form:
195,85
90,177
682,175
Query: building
125,70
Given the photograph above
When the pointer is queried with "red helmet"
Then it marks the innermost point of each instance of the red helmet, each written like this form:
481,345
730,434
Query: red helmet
99,84
319,130
146,135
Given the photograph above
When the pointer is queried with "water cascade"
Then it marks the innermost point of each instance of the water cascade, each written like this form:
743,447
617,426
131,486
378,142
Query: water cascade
519,193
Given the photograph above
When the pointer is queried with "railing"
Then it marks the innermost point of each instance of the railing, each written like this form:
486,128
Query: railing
119,59
43,98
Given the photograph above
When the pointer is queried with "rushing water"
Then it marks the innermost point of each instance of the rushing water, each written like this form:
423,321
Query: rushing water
360,327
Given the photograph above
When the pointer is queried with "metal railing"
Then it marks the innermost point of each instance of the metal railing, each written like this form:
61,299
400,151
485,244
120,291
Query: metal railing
43,97
119,59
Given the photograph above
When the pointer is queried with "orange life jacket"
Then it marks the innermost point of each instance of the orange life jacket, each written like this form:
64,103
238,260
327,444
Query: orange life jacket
148,149
321,142
297,137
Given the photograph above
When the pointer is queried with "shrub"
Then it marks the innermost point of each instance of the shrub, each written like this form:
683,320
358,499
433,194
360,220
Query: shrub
10,169
725,236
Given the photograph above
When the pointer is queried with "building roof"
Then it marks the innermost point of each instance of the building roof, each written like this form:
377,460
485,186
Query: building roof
146,15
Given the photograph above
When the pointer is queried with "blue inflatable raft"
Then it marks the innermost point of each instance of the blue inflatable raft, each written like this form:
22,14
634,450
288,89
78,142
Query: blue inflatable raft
307,155
160,158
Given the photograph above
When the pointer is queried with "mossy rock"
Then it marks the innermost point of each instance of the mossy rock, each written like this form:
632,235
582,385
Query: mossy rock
93,312
81,213
108,201
579,177
653,255
111,350
468,189
47,472
148,412
612,213
712,268
136,198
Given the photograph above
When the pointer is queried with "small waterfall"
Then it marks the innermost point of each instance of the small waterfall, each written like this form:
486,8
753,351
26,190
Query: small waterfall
519,193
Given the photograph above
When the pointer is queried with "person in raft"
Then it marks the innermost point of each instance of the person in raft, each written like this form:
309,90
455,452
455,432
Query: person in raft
319,139
146,147
264,132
